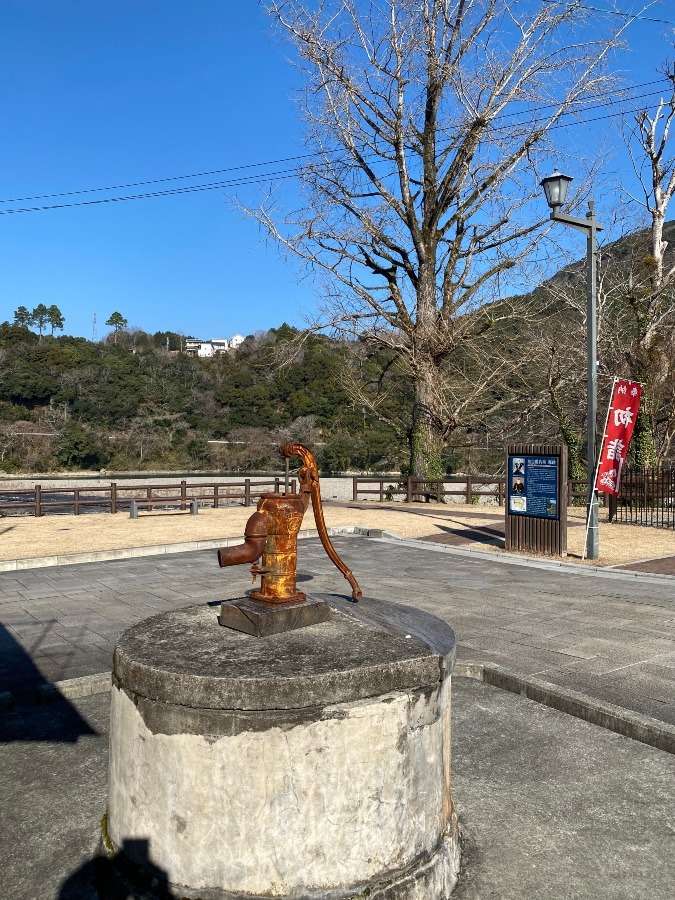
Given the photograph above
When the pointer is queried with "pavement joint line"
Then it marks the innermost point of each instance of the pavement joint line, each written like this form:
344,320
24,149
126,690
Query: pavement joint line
627,723
633,725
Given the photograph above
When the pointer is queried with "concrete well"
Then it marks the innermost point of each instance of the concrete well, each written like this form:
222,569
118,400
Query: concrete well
311,764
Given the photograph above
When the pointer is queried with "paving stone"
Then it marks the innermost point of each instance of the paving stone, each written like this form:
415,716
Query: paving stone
527,618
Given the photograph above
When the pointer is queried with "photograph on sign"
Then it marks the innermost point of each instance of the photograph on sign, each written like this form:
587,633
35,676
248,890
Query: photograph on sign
533,486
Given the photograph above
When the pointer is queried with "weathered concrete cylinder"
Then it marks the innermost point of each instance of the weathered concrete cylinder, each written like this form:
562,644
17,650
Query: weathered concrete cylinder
310,764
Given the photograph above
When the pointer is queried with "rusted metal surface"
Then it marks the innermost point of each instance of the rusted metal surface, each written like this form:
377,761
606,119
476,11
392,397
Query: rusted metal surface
272,533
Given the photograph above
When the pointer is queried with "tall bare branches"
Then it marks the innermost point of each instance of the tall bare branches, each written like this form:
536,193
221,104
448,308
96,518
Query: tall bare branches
647,329
428,118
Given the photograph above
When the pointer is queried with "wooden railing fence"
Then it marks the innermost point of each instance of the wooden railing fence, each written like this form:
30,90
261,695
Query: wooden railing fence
117,497
466,488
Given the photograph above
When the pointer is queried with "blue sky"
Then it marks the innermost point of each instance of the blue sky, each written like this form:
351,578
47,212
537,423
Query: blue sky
120,91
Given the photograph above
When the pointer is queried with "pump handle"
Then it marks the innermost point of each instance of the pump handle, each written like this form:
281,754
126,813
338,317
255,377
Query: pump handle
308,476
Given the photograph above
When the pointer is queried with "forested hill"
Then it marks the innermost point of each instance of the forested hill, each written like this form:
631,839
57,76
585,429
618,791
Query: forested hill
136,401
69,403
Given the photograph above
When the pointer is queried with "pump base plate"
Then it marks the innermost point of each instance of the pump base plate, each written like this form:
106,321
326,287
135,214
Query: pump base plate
260,619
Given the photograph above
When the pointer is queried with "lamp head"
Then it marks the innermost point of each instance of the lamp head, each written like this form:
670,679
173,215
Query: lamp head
555,188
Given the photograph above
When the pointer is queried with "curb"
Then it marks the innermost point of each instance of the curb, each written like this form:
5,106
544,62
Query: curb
533,562
74,688
71,559
630,724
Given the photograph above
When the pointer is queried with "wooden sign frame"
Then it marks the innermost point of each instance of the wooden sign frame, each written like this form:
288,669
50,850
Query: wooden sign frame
536,521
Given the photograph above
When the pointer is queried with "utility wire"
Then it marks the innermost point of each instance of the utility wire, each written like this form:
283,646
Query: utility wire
636,17
265,177
121,187
273,162
595,104
195,188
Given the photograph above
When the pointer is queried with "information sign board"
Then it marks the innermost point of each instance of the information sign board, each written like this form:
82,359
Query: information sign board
533,486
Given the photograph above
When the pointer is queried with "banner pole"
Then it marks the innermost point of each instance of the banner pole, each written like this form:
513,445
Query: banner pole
597,468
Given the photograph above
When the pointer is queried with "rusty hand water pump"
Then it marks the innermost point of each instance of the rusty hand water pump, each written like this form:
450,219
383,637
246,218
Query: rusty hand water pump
272,533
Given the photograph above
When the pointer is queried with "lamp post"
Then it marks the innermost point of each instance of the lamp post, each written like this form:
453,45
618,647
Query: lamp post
555,188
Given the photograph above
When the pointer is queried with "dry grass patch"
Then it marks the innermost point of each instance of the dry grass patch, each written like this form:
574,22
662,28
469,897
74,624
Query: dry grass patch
25,537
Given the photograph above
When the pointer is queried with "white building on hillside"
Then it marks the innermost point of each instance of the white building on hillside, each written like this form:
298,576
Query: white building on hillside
195,347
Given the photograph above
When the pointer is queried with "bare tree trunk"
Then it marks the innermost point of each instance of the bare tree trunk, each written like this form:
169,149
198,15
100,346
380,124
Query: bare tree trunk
426,444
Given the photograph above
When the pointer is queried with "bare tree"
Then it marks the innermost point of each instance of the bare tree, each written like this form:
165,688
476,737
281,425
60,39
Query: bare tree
646,334
427,119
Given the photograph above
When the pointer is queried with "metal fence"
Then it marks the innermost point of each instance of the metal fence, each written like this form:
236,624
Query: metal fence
647,497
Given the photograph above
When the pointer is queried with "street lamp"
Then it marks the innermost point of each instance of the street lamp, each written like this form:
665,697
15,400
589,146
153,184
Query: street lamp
555,188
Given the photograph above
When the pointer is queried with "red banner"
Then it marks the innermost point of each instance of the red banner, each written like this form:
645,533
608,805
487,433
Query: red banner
623,412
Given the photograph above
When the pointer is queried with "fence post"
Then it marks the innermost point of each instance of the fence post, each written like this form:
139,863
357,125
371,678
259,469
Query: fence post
183,494
277,485
355,488
113,497
215,496
408,489
38,498
247,492
76,501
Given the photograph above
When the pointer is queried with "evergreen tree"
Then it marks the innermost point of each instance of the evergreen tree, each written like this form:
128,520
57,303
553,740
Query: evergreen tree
56,319
117,322
23,317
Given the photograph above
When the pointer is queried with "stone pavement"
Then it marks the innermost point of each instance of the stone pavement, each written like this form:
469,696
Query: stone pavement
550,808
665,566
606,633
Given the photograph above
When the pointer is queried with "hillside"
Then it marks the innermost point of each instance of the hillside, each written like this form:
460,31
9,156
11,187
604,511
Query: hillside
133,402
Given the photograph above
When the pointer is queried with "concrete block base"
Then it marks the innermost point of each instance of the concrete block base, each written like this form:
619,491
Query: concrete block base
309,764
431,878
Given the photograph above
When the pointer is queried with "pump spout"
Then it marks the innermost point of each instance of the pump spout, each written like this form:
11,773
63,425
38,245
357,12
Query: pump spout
255,536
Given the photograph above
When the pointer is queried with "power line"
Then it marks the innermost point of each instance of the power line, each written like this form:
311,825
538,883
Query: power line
283,174
273,162
635,17
597,104
269,176
121,187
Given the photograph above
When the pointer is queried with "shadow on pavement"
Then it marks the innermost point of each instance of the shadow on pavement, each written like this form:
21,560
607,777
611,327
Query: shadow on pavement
102,879
60,722
480,534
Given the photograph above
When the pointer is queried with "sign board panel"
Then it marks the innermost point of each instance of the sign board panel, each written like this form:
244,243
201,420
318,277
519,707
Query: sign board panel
534,486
